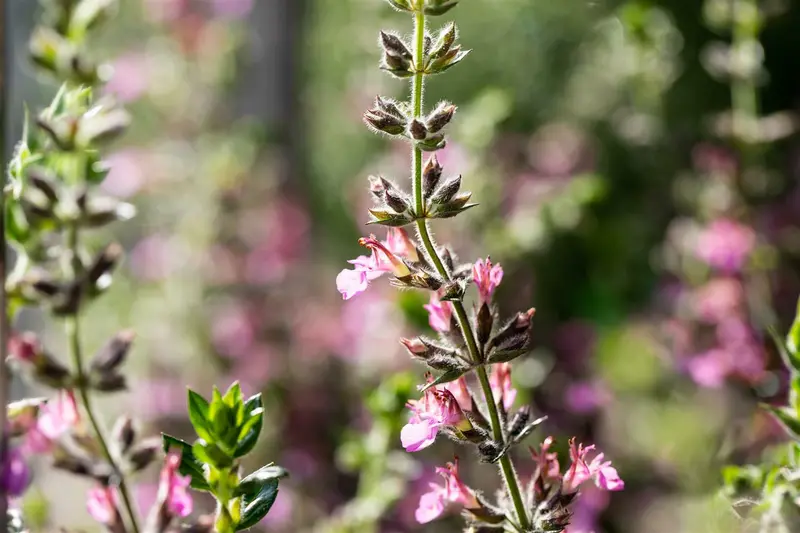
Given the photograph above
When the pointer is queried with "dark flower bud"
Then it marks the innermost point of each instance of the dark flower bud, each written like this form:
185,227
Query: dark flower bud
490,451
44,367
417,130
458,204
454,291
446,191
394,46
144,453
123,433
40,180
418,280
113,353
69,457
450,58
431,175
435,356
394,197
99,211
512,340
440,117
68,300
100,124
390,107
108,382
98,275
384,122
415,347
484,322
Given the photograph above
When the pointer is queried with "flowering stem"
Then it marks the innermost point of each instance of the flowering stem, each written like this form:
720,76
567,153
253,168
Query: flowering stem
507,468
72,329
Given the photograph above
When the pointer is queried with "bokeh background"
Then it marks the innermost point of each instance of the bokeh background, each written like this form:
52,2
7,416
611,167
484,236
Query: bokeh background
636,165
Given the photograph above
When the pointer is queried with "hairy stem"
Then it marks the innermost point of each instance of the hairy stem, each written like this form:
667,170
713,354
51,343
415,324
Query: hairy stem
509,476
72,329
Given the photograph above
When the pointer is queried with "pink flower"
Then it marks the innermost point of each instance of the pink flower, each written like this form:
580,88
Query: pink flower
460,392
725,245
439,313
605,476
101,502
235,9
709,368
129,80
24,347
436,409
172,487
585,396
433,503
486,277
547,461
384,258
502,389
55,419
718,299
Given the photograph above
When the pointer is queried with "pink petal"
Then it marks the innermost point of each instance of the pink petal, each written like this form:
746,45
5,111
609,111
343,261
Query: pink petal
431,507
351,282
419,435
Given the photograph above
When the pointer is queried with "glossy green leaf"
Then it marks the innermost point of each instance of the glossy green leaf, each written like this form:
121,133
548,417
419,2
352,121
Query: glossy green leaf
253,408
210,454
260,492
198,415
190,466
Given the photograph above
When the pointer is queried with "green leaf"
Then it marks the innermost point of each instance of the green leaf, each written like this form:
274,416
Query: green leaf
251,485
253,408
210,454
198,415
190,466
793,342
258,491
791,357
233,396
787,418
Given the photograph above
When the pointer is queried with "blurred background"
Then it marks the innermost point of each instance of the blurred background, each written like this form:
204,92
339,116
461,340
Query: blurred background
636,165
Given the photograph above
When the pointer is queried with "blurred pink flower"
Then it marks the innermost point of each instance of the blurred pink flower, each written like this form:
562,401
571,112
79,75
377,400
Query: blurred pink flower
154,258
714,159
101,502
165,10
433,503
709,368
127,172
725,245
160,397
547,461
439,313
585,396
502,389
55,419
130,78
278,237
172,490
486,277
718,299
233,330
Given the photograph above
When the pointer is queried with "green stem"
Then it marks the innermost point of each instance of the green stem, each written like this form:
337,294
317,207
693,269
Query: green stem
72,328
509,476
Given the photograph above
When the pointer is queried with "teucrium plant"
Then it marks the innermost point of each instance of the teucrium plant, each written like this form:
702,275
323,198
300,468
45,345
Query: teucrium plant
228,428
52,203
467,345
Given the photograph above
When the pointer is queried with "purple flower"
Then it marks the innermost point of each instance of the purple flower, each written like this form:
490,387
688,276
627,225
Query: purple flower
725,245
14,472
172,487
605,476
486,277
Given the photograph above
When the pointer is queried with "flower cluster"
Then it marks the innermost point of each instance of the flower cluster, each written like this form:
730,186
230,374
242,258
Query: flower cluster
468,395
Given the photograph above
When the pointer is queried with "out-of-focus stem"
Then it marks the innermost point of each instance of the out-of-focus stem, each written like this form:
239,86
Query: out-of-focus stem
72,330
507,468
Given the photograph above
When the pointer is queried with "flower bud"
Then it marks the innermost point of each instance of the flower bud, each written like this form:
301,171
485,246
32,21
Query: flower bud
394,46
440,117
402,5
98,275
484,321
450,58
383,122
45,369
22,415
444,41
438,7
376,187
512,340
417,130
387,217
144,453
431,175
123,433
446,191
432,143
397,58
394,198
108,382
113,353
